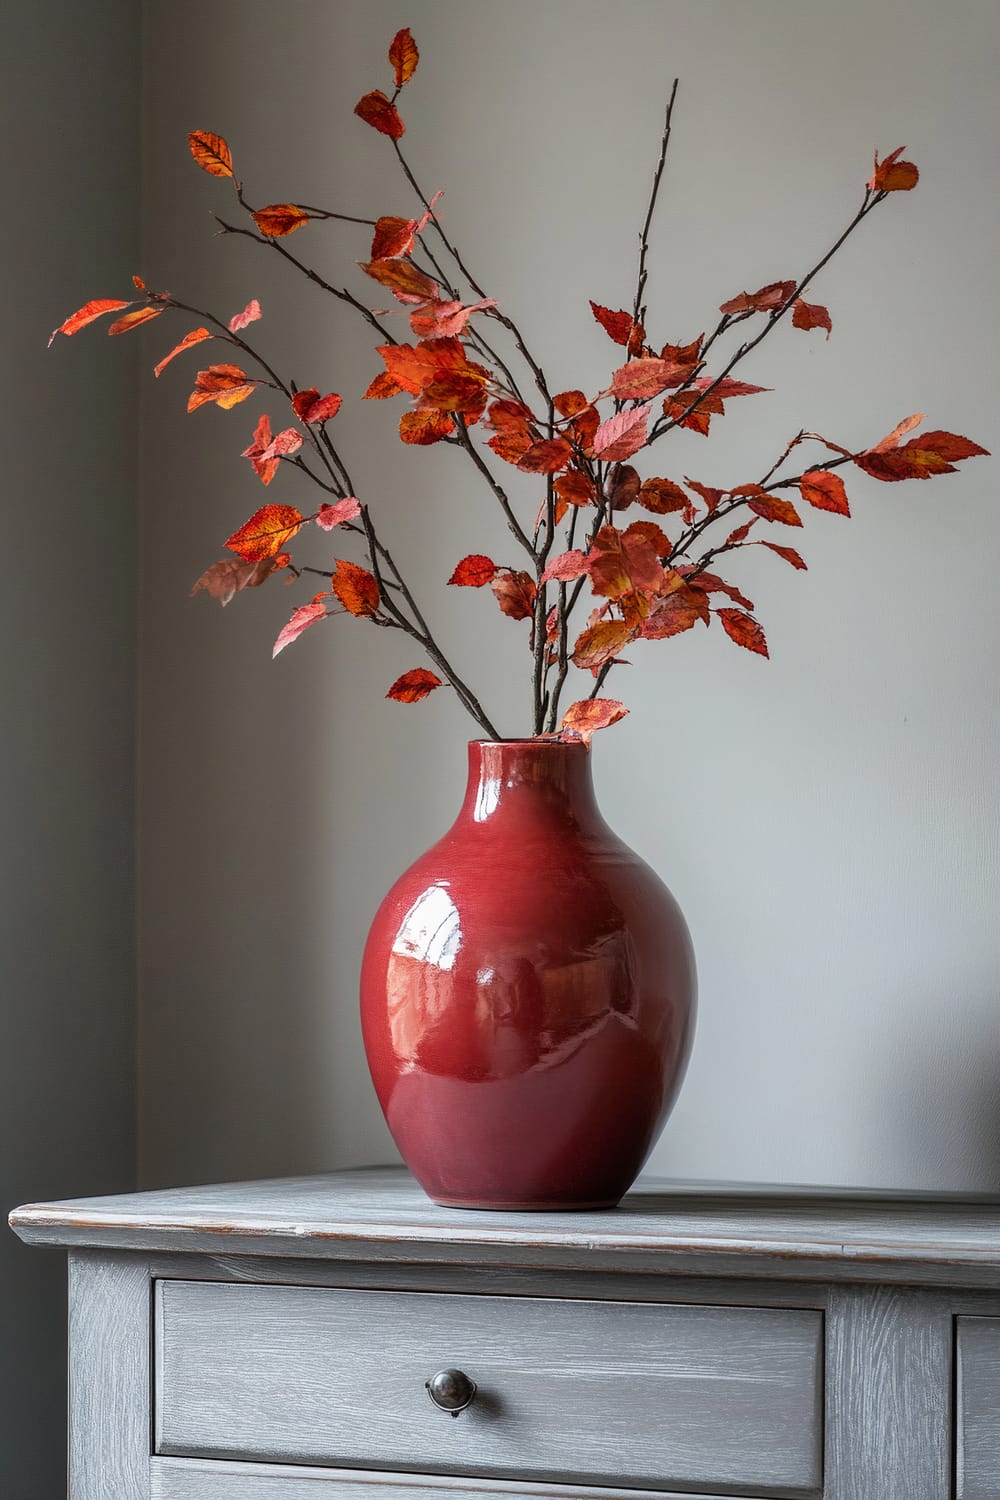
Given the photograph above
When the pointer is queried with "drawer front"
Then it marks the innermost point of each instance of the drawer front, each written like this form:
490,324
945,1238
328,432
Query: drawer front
978,1414
607,1393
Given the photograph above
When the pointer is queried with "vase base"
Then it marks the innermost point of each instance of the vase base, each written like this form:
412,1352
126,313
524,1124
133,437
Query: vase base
477,1205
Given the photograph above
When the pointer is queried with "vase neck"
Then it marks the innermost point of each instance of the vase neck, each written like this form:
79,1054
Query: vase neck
536,779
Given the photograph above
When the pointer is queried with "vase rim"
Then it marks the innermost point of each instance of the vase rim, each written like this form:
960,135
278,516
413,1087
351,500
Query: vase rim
536,743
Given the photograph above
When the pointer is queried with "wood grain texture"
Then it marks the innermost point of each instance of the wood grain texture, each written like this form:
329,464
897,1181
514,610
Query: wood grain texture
651,1395
889,1381
978,1408
380,1214
197,1479
109,1380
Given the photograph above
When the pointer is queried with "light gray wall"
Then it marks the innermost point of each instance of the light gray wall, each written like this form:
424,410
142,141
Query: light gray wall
69,92
829,820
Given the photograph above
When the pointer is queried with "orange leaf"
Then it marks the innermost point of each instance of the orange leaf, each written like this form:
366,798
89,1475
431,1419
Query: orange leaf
379,112
642,378
225,579
413,686
265,465
811,315
138,283
743,630
226,385
565,567
892,175
393,237
446,319
617,325
135,319
86,314
211,153
382,387
546,456
425,427
404,56
356,588
510,446
584,719
279,219
825,491
767,299
304,616
774,508
402,279
600,643
920,458
186,342
451,392
622,562
329,516
661,496
515,593
473,571
266,532
568,403
575,488
788,553
681,610
310,406
891,440
622,435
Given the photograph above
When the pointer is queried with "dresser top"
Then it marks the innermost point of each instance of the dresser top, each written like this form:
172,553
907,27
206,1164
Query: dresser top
379,1214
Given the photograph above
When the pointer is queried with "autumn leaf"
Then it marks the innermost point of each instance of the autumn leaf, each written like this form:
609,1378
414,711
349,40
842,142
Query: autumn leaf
413,686
767,299
706,492
393,237
825,491
546,456
86,314
211,153
446,319
356,588
456,392
565,567
329,516
266,532
413,367
744,630
642,379
279,219
135,319
582,720
575,488
623,486
225,579
601,642
892,175
401,278
189,339
679,611
404,56
892,439
774,508
810,315
379,112
617,325
661,496
303,617
568,403
920,458
788,553
310,407
286,443
138,283
250,314
515,593
425,427
265,466
711,583
623,434
382,387
473,571
226,385
621,562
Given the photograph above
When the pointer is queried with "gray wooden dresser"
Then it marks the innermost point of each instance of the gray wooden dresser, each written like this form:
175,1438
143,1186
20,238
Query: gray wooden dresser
275,1340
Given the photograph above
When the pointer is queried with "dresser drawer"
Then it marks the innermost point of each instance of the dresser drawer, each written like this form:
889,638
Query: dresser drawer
656,1395
978,1408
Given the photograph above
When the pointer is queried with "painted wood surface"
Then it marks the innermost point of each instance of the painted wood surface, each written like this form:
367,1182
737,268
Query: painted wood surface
109,1378
381,1215
978,1408
888,1395
654,1395
197,1479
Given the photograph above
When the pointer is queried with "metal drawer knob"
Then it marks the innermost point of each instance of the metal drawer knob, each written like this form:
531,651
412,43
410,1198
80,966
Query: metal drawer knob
451,1390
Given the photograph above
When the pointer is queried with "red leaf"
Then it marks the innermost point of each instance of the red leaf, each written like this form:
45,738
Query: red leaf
623,562
138,283
774,508
600,643
892,175
649,532
681,610
617,325
456,392
707,492
788,553
565,567
265,467
473,571
393,237
735,538
225,579
569,403
711,583
446,319
356,588
279,219
329,516
575,488
402,278
86,314
920,458
135,319
726,388
811,315
303,617
411,368
226,385
623,486
661,496
622,435
510,446
825,491
379,112
641,379
266,532
582,720
765,300
211,153
310,406
546,456
743,630
425,427
404,56
186,342
382,387
413,686
515,593
287,442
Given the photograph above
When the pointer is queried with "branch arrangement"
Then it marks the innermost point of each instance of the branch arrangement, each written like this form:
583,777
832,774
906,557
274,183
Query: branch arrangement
473,382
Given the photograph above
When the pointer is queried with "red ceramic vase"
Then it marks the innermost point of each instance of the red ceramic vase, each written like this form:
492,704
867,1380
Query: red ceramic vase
528,994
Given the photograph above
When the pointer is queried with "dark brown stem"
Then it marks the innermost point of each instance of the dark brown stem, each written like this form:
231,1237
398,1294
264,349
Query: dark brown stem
638,306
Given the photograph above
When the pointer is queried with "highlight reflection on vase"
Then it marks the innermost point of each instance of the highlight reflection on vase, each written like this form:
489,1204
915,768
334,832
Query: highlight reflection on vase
527,994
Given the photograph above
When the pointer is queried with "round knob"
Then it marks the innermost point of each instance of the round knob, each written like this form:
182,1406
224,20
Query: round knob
451,1390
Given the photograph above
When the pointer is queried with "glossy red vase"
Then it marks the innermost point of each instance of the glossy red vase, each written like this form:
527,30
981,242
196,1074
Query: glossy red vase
528,994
